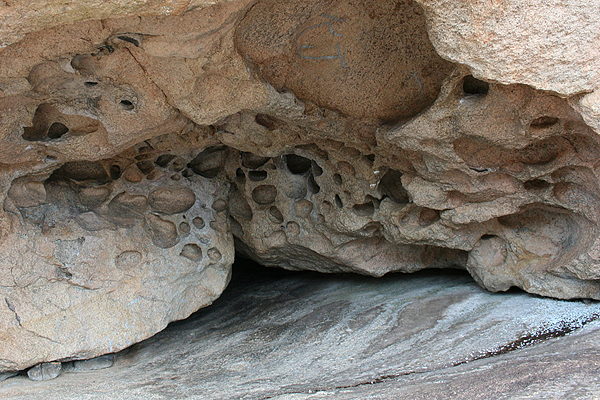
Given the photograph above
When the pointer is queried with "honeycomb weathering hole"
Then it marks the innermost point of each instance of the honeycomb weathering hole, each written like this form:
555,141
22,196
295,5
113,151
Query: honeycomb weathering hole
56,130
474,87
127,105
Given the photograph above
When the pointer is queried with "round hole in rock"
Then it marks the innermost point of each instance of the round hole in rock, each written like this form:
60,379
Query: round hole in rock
543,122
257,176
214,254
337,178
209,162
114,171
475,87
164,159
56,130
536,184
240,176
269,122
192,252
296,164
364,210
126,105
428,216
219,205
184,228
198,222
265,194
145,166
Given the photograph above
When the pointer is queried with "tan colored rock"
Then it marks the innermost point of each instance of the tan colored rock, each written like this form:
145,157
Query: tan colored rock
365,59
19,17
171,200
550,44
588,106
126,279
448,188
134,149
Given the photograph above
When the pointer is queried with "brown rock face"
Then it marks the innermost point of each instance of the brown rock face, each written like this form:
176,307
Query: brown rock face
323,135
365,59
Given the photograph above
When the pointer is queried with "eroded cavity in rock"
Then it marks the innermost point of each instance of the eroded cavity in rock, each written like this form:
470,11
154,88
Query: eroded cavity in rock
328,136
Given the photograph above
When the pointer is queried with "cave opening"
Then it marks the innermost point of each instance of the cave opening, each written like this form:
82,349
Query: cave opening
310,135
275,332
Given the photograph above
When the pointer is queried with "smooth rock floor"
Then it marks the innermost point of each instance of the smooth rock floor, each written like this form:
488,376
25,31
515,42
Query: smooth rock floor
288,336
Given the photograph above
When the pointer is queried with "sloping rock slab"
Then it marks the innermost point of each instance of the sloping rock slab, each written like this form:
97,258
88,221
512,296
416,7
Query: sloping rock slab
565,368
301,335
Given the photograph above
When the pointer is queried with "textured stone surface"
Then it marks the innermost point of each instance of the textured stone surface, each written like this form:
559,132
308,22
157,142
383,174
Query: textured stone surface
305,336
139,152
550,44
98,251
19,18
589,107
449,188
45,371
366,59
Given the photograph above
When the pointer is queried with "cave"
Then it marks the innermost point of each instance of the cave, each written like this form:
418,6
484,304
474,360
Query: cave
311,199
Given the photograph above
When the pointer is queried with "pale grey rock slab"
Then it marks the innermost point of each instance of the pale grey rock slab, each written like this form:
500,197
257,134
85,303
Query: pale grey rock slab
5,375
562,368
293,336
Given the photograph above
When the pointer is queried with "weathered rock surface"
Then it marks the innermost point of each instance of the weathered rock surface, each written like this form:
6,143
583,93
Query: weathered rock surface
19,18
305,336
101,267
45,371
550,44
139,152
366,59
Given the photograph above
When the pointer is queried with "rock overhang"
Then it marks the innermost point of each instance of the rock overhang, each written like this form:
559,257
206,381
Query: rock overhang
139,153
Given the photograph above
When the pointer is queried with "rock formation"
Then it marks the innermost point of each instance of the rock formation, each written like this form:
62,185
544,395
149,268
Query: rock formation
140,151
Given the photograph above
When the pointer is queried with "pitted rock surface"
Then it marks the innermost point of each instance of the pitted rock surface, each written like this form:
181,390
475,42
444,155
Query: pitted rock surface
138,153
366,59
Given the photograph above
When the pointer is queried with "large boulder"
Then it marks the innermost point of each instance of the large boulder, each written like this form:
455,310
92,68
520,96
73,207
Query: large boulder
139,152
548,44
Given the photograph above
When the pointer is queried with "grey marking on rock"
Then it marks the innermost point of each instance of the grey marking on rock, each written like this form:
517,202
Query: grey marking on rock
329,24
